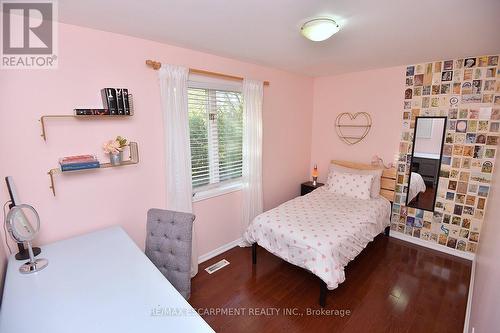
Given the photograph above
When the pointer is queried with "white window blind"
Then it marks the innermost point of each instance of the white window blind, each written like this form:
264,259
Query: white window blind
216,129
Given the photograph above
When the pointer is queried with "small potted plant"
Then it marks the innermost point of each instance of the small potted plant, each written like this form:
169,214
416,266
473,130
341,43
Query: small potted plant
115,149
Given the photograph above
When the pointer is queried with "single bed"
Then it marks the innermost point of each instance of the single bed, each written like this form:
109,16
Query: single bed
323,231
417,186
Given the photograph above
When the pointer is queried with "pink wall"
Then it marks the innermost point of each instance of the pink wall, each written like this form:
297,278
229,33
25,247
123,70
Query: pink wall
484,310
431,145
378,92
90,60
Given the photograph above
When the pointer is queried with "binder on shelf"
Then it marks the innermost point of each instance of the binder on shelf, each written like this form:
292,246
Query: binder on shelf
126,103
109,100
119,102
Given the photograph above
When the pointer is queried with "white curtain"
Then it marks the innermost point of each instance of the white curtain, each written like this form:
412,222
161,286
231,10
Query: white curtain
174,104
252,150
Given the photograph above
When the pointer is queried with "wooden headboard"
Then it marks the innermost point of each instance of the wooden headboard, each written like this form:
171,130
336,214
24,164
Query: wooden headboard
387,183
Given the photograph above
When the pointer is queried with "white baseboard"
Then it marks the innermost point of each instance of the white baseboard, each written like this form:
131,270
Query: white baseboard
469,298
434,246
219,250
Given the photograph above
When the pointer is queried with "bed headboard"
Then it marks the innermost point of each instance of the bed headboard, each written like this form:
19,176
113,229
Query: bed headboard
387,183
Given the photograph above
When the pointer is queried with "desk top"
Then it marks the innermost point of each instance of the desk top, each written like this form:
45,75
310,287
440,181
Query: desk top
98,282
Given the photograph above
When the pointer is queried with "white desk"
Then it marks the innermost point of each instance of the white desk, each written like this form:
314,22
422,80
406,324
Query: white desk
98,282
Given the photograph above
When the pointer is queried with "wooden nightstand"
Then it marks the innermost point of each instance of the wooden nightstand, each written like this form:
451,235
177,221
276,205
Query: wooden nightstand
308,187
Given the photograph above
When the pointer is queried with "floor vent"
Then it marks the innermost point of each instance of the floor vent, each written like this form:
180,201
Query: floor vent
218,265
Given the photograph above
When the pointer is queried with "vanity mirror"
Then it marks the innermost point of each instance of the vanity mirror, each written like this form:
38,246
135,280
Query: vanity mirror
425,162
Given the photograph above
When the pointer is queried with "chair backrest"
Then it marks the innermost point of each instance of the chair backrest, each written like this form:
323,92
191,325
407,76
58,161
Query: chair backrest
169,237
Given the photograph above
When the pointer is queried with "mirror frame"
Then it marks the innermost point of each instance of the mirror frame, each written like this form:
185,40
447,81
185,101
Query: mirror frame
440,158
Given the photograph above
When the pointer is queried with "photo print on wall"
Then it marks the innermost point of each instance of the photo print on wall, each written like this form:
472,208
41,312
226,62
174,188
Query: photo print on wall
467,91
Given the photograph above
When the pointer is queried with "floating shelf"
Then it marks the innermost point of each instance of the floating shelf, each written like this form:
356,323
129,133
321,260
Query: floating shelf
133,159
52,116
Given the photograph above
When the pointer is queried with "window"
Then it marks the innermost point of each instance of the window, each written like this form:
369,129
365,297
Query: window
216,135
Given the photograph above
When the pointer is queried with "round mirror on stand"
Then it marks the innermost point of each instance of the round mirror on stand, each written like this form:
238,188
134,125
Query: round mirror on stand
23,224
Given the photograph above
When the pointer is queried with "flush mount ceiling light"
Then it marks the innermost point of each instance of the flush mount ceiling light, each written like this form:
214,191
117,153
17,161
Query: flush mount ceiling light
319,29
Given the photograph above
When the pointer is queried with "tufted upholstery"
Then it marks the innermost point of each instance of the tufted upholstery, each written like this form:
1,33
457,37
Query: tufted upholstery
168,245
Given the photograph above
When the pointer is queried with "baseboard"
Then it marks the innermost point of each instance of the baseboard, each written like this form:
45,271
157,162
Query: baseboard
219,250
469,298
434,246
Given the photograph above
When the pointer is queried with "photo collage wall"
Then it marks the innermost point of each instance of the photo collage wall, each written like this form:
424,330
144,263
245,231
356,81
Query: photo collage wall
467,91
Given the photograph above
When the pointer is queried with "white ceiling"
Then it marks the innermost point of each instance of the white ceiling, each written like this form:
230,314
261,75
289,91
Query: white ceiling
374,33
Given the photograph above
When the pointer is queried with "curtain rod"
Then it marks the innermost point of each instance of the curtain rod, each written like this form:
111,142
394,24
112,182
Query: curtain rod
156,65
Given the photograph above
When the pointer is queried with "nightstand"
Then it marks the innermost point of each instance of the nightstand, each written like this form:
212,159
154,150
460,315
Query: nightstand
308,187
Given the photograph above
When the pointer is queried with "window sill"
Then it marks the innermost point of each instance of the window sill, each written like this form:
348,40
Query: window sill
215,192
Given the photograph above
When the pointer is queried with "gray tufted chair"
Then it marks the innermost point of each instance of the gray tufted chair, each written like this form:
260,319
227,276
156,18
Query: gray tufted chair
169,237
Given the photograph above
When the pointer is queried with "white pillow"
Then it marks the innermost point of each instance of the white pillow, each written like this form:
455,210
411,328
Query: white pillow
354,186
377,175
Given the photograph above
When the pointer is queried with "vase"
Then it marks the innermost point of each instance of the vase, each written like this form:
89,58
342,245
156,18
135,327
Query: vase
116,159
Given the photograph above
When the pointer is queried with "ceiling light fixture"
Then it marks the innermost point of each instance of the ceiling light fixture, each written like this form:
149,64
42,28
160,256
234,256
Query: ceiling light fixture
319,29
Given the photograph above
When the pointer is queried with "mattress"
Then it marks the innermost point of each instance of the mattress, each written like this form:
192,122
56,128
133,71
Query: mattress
321,231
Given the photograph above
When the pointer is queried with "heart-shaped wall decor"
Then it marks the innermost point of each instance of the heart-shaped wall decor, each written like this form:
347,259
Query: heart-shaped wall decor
352,128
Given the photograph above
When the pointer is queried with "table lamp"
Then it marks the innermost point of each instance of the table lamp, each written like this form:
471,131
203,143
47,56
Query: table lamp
315,175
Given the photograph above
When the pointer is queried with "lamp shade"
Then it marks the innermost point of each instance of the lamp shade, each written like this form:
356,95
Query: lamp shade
319,29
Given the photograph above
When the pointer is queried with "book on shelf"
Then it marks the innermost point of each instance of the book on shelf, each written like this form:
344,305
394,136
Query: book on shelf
80,166
79,162
78,159
91,112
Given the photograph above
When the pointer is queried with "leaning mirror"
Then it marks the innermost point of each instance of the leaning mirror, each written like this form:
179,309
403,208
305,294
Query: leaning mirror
425,162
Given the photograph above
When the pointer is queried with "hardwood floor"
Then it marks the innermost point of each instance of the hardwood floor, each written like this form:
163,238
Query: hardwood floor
426,199
392,286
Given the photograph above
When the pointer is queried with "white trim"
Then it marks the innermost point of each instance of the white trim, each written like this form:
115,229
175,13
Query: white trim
219,250
469,298
434,246
216,191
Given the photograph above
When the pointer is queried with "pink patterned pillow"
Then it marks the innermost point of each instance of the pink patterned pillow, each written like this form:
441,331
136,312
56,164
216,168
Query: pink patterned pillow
351,185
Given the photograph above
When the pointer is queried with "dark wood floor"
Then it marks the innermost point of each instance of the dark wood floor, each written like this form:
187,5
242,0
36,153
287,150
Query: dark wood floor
392,286
426,199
